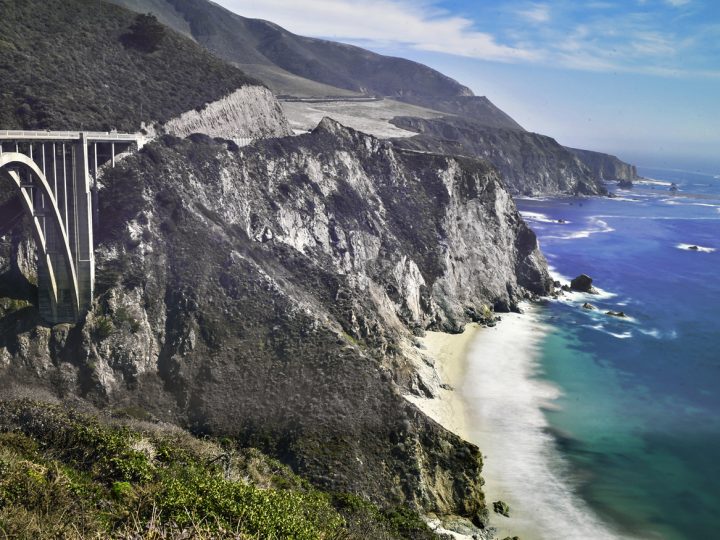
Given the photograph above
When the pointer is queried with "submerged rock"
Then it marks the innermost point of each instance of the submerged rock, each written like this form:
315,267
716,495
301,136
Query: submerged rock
620,314
694,248
501,508
588,305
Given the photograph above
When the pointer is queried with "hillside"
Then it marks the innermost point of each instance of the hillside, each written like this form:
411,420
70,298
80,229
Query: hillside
277,53
82,64
479,109
122,474
293,332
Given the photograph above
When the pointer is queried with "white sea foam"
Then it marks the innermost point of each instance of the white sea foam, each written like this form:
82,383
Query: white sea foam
657,334
597,226
700,249
522,465
577,296
601,328
542,218
676,202
652,181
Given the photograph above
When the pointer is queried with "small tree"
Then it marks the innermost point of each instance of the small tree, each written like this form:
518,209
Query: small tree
146,34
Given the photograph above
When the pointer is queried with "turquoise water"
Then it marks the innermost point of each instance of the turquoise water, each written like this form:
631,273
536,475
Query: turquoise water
639,415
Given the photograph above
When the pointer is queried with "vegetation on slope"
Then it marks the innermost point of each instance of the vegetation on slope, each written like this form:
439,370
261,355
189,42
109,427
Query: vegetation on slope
68,475
256,45
87,64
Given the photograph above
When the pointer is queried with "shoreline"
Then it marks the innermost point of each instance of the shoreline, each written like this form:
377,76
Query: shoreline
497,402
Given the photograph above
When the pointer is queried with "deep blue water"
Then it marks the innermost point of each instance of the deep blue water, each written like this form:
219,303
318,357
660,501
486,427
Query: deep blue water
639,418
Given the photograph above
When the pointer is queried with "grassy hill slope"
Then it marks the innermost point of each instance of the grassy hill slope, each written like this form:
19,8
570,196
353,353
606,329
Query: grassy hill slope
81,64
69,475
253,42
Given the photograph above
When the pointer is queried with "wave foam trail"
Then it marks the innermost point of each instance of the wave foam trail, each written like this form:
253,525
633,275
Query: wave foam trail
542,218
692,247
523,466
597,226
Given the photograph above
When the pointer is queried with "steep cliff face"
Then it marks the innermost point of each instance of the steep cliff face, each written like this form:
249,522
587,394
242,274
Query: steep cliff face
268,292
605,166
249,112
529,163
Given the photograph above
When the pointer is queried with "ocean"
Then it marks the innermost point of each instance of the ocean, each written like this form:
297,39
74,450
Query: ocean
612,425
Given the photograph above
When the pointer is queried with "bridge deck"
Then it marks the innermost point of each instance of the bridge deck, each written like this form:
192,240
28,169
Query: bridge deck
90,136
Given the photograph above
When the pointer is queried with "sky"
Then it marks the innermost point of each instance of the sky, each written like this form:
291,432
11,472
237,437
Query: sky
637,78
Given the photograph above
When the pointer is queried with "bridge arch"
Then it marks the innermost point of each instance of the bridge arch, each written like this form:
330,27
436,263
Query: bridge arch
55,257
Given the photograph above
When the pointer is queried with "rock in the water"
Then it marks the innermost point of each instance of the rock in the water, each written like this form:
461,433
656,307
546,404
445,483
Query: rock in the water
582,283
501,508
694,248
625,184
566,288
588,305
620,314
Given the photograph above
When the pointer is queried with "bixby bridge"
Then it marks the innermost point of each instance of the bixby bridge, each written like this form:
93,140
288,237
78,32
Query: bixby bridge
56,175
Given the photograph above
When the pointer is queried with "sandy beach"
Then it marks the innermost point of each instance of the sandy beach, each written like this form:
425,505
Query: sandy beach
449,353
497,402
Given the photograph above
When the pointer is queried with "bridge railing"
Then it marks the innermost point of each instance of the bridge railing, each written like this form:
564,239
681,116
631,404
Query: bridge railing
68,135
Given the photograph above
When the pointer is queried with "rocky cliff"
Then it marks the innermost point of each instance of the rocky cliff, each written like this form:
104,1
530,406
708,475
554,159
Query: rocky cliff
605,166
267,293
529,163
249,112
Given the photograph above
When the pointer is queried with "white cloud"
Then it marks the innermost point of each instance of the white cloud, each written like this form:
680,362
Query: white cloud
677,3
633,43
538,13
414,24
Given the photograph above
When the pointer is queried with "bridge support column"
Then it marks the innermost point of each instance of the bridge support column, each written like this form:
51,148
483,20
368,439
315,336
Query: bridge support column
83,245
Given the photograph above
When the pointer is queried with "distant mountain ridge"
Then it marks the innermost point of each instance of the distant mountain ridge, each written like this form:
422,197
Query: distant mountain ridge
298,66
261,48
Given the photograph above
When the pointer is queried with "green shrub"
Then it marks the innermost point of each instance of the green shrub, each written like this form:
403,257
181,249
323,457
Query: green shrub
57,463
103,328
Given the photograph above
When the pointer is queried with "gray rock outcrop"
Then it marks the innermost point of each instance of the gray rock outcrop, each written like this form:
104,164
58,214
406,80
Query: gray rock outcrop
249,112
529,163
606,166
265,293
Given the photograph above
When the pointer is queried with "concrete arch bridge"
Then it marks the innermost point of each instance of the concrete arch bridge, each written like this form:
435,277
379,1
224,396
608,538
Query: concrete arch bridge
55,174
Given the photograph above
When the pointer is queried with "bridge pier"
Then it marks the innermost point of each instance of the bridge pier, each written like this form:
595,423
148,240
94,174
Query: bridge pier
63,209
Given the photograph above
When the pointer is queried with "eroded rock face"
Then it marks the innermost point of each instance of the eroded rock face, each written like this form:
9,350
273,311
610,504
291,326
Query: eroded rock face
267,293
529,163
249,112
607,167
